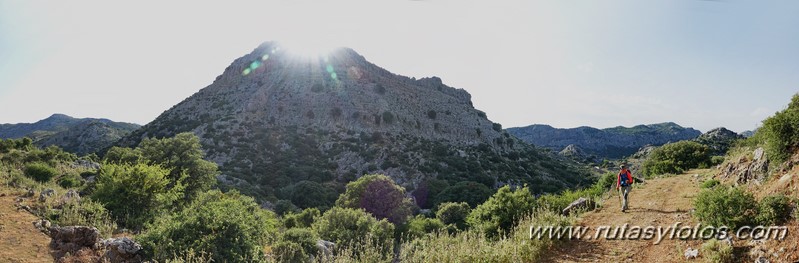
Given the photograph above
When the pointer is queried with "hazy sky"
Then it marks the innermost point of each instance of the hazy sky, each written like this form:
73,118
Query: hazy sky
566,63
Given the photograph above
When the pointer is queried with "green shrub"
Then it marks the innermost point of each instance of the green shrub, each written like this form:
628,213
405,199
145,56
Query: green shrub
710,183
781,132
348,227
725,206
135,194
453,214
716,160
388,118
379,195
283,207
285,251
772,210
497,127
307,194
420,226
70,180
717,252
229,227
502,211
83,213
676,158
302,219
40,171
182,155
473,193
303,237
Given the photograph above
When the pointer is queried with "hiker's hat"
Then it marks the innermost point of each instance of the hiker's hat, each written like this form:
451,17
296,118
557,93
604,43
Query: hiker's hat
623,165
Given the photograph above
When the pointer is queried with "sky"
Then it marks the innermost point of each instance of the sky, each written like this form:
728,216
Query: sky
566,63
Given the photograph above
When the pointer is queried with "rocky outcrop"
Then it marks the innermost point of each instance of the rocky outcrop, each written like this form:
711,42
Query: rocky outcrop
580,203
84,244
609,143
72,239
745,170
719,140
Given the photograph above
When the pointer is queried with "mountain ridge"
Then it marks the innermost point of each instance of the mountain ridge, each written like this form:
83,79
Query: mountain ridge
78,135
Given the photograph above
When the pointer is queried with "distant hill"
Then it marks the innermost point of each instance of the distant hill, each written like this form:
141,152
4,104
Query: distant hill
610,143
272,120
77,135
719,140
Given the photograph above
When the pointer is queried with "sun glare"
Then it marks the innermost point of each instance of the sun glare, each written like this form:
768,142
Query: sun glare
308,49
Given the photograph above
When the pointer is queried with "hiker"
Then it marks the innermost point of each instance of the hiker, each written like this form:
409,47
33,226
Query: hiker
624,185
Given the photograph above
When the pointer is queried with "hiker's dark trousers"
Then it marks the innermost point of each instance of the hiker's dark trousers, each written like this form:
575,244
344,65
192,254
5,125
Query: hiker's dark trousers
625,192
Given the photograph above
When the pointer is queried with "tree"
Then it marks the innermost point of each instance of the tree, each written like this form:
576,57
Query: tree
473,193
307,194
136,194
121,155
378,195
420,226
676,158
182,154
349,227
229,227
453,214
502,211
303,219
781,132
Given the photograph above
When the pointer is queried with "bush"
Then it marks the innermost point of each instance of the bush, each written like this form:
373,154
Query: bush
229,227
307,194
497,127
676,158
431,114
781,132
773,210
378,195
70,180
502,211
40,171
302,219
420,226
135,194
710,183
83,213
303,237
349,227
716,160
725,206
473,193
453,214
388,118
285,251
716,251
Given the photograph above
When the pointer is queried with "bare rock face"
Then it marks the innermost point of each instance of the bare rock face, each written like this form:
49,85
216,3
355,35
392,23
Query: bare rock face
72,239
745,171
580,203
122,250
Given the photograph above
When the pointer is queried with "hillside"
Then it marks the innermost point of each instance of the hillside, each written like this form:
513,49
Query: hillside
273,119
609,143
77,135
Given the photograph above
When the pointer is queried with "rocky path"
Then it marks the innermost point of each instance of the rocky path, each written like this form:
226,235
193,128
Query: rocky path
659,202
20,241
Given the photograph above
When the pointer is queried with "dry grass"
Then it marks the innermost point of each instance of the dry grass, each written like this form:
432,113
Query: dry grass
20,241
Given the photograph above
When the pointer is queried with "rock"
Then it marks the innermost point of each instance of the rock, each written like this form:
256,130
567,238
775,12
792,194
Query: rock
762,260
122,250
42,225
70,196
745,171
691,253
71,239
580,203
86,164
46,194
30,193
325,247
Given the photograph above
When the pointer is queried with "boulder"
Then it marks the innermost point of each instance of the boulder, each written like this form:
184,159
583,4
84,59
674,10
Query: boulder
71,239
325,247
47,193
580,203
70,197
122,250
691,253
86,164
42,225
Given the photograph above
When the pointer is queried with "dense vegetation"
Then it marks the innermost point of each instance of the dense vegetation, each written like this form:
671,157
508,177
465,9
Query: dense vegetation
780,133
160,190
675,158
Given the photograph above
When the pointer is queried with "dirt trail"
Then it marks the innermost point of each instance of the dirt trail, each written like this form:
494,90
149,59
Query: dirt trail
20,241
659,202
